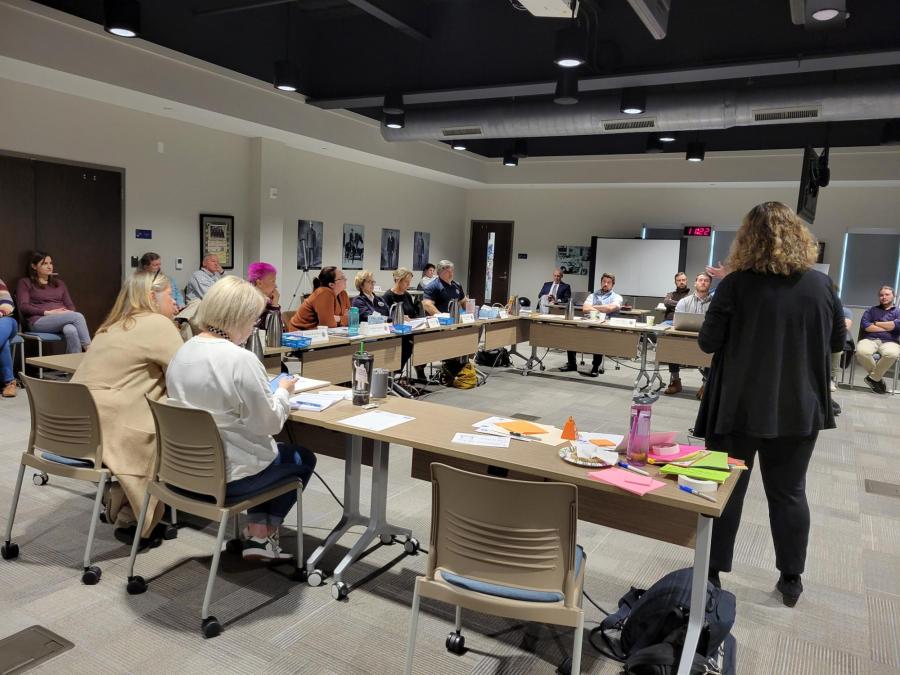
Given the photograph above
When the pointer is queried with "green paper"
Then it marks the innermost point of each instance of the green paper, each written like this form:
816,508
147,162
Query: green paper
714,460
691,472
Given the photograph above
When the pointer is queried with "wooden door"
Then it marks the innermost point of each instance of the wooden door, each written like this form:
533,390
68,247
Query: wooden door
17,233
490,257
78,219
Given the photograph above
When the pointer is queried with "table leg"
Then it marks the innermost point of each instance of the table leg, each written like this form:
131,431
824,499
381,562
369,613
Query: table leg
698,593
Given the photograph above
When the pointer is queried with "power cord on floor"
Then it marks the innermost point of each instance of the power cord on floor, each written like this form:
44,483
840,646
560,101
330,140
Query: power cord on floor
290,434
588,598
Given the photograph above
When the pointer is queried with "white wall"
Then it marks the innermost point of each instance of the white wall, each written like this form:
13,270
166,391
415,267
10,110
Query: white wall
547,217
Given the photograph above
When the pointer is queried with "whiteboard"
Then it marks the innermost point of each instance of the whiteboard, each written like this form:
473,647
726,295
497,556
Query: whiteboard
641,266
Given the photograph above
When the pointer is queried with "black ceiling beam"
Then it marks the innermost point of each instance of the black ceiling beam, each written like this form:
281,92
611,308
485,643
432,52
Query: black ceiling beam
704,74
391,20
241,7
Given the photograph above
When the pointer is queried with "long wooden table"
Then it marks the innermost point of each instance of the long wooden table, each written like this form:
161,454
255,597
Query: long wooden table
667,514
678,346
66,363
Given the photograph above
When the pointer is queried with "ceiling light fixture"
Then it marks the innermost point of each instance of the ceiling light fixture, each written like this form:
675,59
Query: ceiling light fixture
520,149
569,47
285,76
825,14
458,145
122,17
654,144
510,159
393,103
890,135
566,87
394,121
666,136
696,151
633,101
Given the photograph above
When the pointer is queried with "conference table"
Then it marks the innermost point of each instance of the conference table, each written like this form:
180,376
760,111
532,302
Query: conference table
65,363
666,514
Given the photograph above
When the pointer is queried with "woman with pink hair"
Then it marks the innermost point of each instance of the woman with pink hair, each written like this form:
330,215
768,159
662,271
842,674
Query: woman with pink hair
262,276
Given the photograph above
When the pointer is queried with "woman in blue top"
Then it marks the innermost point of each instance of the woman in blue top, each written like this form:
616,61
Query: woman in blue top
367,302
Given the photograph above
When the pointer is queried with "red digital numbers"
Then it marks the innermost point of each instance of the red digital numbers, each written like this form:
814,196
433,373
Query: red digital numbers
697,230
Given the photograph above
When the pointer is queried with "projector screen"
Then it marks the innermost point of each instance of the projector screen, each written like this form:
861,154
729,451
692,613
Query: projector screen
641,266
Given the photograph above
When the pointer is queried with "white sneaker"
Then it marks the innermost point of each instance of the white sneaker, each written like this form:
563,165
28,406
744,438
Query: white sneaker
833,386
264,550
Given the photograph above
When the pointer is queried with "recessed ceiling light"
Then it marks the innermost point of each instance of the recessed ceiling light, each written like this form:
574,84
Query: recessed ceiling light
122,17
392,121
633,101
825,14
510,159
666,137
458,145
570,45
285,76
696,151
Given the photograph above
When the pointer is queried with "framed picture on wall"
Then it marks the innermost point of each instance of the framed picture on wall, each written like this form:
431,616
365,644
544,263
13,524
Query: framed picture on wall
353,246
421,245
217,236
309,244
390,248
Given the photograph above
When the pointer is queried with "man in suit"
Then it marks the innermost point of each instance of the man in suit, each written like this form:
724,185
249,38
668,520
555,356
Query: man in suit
556,290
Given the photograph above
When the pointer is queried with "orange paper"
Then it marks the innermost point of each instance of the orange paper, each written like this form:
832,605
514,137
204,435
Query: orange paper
522,427
603,443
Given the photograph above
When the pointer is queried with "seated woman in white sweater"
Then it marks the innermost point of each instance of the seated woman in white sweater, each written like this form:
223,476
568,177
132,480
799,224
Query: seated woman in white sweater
213,372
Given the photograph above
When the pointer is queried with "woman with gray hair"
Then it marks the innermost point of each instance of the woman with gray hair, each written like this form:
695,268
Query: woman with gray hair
367,302
213,372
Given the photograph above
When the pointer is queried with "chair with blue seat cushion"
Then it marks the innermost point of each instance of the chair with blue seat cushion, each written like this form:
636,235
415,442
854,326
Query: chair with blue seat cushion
66,441
190,476
503,547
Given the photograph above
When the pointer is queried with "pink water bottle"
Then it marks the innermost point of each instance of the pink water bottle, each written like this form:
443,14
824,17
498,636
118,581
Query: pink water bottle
639,432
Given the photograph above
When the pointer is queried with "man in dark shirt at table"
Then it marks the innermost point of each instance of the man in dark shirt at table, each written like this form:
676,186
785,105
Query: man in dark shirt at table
436,299
881,331
672,297
556,290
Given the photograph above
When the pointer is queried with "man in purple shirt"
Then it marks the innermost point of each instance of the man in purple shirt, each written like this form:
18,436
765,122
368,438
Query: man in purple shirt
881,327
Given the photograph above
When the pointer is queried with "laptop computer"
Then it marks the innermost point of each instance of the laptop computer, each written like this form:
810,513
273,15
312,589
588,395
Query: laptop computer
688,321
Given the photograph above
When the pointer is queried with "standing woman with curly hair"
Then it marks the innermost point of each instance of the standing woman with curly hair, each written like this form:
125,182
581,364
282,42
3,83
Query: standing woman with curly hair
772,327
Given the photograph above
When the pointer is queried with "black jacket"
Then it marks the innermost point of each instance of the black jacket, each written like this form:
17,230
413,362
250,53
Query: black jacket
772,338
366,307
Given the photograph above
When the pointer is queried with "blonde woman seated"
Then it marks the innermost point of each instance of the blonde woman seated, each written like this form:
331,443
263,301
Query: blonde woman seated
128,361
367,302
213,372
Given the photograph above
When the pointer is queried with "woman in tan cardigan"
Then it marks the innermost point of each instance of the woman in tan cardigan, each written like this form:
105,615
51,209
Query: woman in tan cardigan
327,306
128,360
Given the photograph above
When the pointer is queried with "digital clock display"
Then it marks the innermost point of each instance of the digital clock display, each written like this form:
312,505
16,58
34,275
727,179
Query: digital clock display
697,230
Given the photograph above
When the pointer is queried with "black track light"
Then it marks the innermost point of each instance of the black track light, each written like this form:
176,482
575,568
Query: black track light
510,159
520,149
566,87
122,17
286,76
654,144
570,47
394,121
666,136
393,104
458,145
696,151
633,101
890,135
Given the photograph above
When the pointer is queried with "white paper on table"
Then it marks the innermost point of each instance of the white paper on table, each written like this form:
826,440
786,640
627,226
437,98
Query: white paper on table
306,383
311,401
587,450
416,323
376,420
481,439
345,395
491,420
494,430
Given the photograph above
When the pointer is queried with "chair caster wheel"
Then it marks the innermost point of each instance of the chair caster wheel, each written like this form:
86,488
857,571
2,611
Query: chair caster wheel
136,585
40,478
211,627
9,551
91,575
339,590
315,578
299,574
103,518
411,546
170,532
456,643
234,546
386,539
565,668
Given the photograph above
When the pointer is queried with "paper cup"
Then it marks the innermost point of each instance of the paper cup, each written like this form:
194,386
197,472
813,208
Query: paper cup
650,320
594,313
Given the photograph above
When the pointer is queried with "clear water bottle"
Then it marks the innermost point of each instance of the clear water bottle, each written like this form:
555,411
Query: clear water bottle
639,432
353,322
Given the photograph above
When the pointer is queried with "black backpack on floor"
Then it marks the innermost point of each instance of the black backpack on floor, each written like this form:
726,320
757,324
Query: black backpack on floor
495,358
652,625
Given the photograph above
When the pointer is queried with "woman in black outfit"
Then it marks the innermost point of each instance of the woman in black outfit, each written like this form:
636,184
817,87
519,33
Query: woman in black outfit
772,327
411,309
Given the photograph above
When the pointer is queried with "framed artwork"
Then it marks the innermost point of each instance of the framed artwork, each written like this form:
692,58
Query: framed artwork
309,244
353,246
217,236
573,259
421,246
390,248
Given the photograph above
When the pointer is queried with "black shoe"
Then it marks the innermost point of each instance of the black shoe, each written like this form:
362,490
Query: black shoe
126,535
877,386
714,578
835,407
790,587
568,368
594,372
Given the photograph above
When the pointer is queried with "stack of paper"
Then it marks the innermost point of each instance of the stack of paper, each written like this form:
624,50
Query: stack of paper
376,420
302,383
313,402
711,466
627,480
520,430
481,439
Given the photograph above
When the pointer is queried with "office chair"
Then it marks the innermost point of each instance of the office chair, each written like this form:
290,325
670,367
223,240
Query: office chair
65,440
190,476
502,547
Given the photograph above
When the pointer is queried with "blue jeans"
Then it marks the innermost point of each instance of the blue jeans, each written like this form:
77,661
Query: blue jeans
8,330
70,324
293,461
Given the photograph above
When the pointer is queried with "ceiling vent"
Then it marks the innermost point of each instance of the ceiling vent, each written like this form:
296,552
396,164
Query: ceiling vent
629,125
778,115
461,131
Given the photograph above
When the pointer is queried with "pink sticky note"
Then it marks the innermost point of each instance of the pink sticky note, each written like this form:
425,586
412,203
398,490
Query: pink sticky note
683,451
627,480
